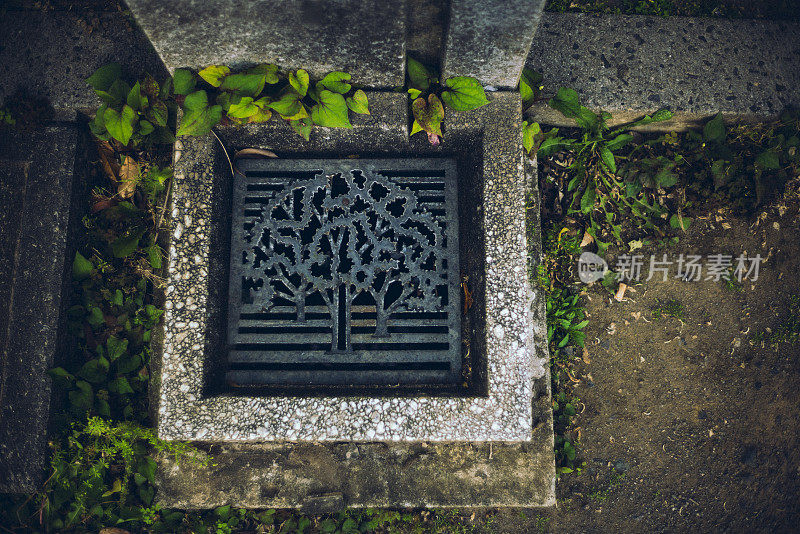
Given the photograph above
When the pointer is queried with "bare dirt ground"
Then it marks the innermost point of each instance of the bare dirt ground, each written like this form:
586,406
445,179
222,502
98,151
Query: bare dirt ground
689,425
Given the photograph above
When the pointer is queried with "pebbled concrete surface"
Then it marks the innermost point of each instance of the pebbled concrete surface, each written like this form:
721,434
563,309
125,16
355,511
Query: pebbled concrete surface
693,66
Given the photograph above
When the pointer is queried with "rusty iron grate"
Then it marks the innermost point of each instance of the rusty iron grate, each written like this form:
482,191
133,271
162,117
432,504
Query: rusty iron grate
344,273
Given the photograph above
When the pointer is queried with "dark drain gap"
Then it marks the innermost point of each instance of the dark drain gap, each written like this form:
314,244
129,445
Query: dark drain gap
332,366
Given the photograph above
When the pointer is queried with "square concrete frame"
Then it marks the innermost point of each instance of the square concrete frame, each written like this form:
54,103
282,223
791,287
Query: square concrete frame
486,451
187,412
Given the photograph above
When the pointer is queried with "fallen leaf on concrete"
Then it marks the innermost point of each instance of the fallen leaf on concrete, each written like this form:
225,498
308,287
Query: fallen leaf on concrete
620,292
129,175
587,239
254,152
114,530
586,358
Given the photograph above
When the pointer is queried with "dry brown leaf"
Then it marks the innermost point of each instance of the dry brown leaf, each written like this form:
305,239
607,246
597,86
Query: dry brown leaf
129,175
586,358
250,152
587,239
108,160
620,292
114,530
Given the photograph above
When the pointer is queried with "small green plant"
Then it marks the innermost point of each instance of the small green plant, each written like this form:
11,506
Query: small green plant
670,308
6,117
788,331
602,495
600,188
742,164
97,467
216,95
429,97
564,412
137,115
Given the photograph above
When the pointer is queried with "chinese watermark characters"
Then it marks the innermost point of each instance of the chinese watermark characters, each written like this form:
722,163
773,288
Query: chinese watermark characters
689,267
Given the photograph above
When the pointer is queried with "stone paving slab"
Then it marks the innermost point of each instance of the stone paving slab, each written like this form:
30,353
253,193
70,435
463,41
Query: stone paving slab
363,37
327,475
694,66
50,55
36,184
489,40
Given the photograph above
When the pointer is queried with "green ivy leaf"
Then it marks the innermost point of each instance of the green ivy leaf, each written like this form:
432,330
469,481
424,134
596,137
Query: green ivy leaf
135,99
714,130
243,109
269,71
81,267
214,74
198,117
529,85
287,105
299,81
94,370
61,377
120,386
158,113
129,365
126,245
331,111
244,84
358,102
335,81
116,347
303,127
145,127
529,131
104,77
183,82
418,75
80,399
768,160
665,178
120,124
567,102
154,256
414,93
429,114
464,93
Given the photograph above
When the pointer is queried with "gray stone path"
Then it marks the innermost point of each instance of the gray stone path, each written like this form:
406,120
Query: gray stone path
36,185
695,67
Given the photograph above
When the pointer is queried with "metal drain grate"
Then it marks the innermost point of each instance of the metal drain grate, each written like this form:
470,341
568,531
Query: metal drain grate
344,272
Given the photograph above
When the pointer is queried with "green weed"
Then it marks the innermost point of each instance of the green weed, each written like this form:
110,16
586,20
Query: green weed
670,308
787,331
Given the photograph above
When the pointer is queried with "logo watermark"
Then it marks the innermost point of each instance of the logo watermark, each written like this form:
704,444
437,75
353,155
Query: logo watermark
591,267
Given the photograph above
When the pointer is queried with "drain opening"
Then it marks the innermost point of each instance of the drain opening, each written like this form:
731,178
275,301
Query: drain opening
344,272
